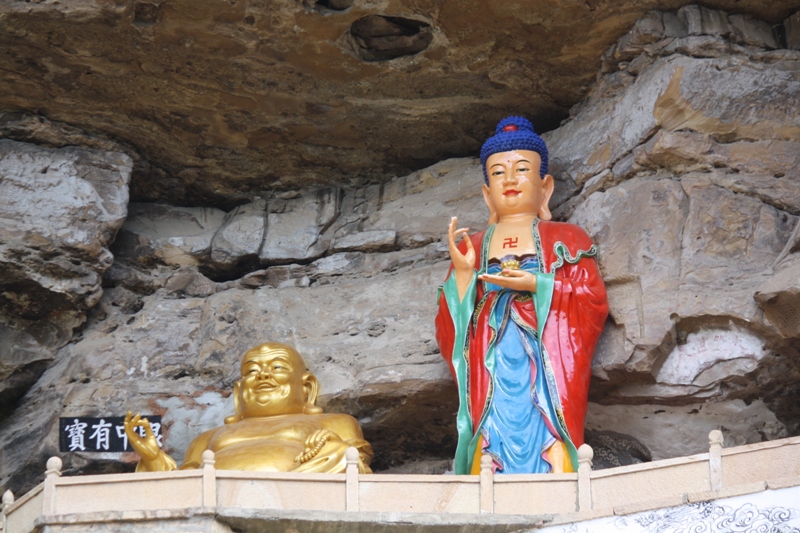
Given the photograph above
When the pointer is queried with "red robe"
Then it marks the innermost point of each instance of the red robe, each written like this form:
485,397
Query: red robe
576,317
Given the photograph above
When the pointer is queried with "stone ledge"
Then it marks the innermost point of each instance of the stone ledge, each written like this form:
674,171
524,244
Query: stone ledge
281,521
727,492
580,516
660,503
269,520
783,483
123,516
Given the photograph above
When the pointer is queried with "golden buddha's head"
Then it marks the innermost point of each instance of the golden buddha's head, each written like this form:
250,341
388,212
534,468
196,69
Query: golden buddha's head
274,382
515,163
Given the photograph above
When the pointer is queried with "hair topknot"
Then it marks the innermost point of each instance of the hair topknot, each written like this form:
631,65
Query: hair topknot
519,122
514,133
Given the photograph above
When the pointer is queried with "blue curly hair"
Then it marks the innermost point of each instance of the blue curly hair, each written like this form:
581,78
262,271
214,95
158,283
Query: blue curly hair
514,133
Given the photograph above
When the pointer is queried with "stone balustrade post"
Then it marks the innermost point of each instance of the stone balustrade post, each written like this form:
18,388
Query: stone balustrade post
8,500
487,485
585,456
351,479
209,480
715,442
52,473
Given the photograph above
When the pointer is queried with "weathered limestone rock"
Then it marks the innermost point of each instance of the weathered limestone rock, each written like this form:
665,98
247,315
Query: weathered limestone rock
409,212
419,206
133,279
296,229
641,300
240,236
708,356
682,165
189,282
24,358
179,357
60,210
366,241
792,28
689,185
750,31
178,236
226,101
673,431
168,341
675,97
779,297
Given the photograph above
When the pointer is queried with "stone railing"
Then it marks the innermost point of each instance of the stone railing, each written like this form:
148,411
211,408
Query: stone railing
554,498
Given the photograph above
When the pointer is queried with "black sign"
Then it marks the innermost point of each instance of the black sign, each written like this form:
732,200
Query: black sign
83,434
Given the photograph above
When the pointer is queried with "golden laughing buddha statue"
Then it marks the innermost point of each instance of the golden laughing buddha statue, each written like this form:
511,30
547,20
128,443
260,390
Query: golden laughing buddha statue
276,427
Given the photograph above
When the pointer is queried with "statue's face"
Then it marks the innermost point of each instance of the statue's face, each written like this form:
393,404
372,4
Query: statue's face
515,186
272,382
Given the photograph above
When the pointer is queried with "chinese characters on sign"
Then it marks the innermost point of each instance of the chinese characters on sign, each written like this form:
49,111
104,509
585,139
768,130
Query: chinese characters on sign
107,434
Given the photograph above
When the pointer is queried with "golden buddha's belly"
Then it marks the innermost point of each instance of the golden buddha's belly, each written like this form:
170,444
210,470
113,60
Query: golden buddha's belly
262,454
263,445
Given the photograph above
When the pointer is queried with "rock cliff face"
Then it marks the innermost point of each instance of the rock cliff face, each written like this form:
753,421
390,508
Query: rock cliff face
681,162
60,210
227,99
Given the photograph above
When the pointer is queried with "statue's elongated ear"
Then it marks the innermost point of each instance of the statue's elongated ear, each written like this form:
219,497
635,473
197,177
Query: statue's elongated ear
488,199
236,407
548,185
310,392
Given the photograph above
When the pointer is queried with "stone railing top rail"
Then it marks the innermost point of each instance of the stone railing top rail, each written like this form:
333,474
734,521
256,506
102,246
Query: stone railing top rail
532,500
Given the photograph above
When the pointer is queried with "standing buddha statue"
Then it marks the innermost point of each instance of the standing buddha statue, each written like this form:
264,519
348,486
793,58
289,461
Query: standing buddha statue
520,312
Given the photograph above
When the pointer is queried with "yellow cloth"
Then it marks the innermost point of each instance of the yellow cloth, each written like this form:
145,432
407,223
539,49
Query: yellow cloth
476,459
559,458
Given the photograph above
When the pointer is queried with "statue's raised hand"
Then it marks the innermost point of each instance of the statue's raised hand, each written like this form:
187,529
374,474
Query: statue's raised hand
463,263
147,446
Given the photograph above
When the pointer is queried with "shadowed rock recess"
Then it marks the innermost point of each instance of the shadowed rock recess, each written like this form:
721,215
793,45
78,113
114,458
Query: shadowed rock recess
263,208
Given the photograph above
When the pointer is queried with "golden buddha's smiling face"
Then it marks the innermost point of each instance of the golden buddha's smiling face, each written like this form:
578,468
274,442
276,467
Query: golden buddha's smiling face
515,186
272,382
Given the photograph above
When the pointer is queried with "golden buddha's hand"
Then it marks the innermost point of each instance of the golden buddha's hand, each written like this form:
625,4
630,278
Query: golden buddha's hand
314,444
153,459
147,446
517,280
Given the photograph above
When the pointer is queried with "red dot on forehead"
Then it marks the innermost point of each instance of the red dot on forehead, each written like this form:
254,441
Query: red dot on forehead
510,127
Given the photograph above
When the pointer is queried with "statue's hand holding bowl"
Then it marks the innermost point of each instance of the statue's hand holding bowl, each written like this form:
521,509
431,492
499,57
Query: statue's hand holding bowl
147,446
517,280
